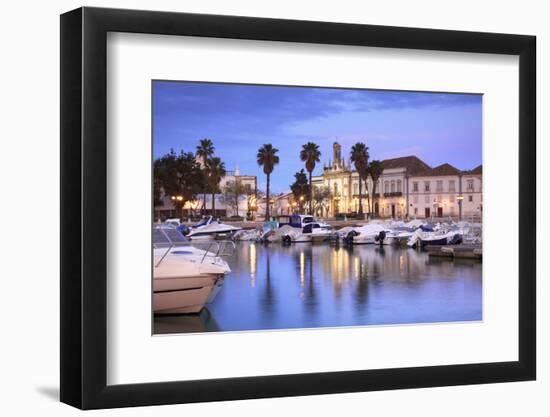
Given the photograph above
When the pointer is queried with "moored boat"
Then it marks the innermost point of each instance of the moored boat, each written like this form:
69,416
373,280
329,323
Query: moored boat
185,278
210,228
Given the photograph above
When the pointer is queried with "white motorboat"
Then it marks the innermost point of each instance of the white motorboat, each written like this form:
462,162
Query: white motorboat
421,239
209,228
185,277
397,236
369,233
247,235
304,228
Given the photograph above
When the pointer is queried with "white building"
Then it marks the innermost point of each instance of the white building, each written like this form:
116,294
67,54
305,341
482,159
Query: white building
408,187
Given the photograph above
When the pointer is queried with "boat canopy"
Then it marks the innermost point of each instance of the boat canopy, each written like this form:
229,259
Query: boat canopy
163,237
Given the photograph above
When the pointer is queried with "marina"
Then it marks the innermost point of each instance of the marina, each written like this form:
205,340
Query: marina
279,286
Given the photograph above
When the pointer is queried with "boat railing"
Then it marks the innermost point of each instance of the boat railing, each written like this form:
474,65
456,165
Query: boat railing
169,239
222,248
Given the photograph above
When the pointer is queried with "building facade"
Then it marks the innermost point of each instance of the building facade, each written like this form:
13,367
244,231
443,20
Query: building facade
407,188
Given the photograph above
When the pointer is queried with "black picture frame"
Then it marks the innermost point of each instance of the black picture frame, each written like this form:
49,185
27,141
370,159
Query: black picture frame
84,207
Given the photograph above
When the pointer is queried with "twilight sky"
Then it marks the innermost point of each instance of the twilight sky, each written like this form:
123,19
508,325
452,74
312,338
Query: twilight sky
436,127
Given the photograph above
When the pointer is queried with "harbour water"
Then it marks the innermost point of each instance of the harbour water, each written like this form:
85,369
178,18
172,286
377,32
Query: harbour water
309,286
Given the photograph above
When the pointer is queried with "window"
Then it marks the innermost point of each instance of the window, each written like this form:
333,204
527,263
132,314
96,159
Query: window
427,186
415,187
415,199
439,199
470,185
451,186
439,186
398,186
355,188
386,187
427,199
393,186
470,198
416,210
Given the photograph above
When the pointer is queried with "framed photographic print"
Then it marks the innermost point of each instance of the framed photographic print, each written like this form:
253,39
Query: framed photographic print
258,207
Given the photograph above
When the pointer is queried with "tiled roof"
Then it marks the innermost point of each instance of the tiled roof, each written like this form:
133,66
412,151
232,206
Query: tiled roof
442,170
476,171
413,164
416,167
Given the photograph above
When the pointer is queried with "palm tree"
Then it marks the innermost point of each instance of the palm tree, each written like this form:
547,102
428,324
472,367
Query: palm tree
267,157
205,150
359,155
375,171
215,171
310,154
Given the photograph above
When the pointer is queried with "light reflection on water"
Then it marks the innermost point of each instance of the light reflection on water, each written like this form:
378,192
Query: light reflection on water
304,286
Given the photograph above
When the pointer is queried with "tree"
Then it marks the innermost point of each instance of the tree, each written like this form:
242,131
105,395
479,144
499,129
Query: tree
205,150
178,176
300,188
233,193
321,197
267,158
310,154
375,171
359,155
215,171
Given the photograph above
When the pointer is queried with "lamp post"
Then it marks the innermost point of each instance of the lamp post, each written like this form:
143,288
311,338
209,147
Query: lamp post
178,198
459,199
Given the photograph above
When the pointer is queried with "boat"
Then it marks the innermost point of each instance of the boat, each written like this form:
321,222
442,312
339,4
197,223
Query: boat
303,228
366,234
421,239
210,228
398,236
185,277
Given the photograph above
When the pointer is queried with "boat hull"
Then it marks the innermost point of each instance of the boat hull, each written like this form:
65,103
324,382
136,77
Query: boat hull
185,294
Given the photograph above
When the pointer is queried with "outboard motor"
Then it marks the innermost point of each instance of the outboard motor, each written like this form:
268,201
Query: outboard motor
286,240
379,238
348,239
456,239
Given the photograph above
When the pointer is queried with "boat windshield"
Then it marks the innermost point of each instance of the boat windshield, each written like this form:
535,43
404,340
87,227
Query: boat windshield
163,237
204,221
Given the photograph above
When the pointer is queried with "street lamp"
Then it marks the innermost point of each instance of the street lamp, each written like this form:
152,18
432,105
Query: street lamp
180,199
459,199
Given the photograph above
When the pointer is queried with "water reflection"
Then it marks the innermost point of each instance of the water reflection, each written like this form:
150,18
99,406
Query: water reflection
304,286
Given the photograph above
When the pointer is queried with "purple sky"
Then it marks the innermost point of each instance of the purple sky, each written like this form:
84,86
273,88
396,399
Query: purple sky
437,127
